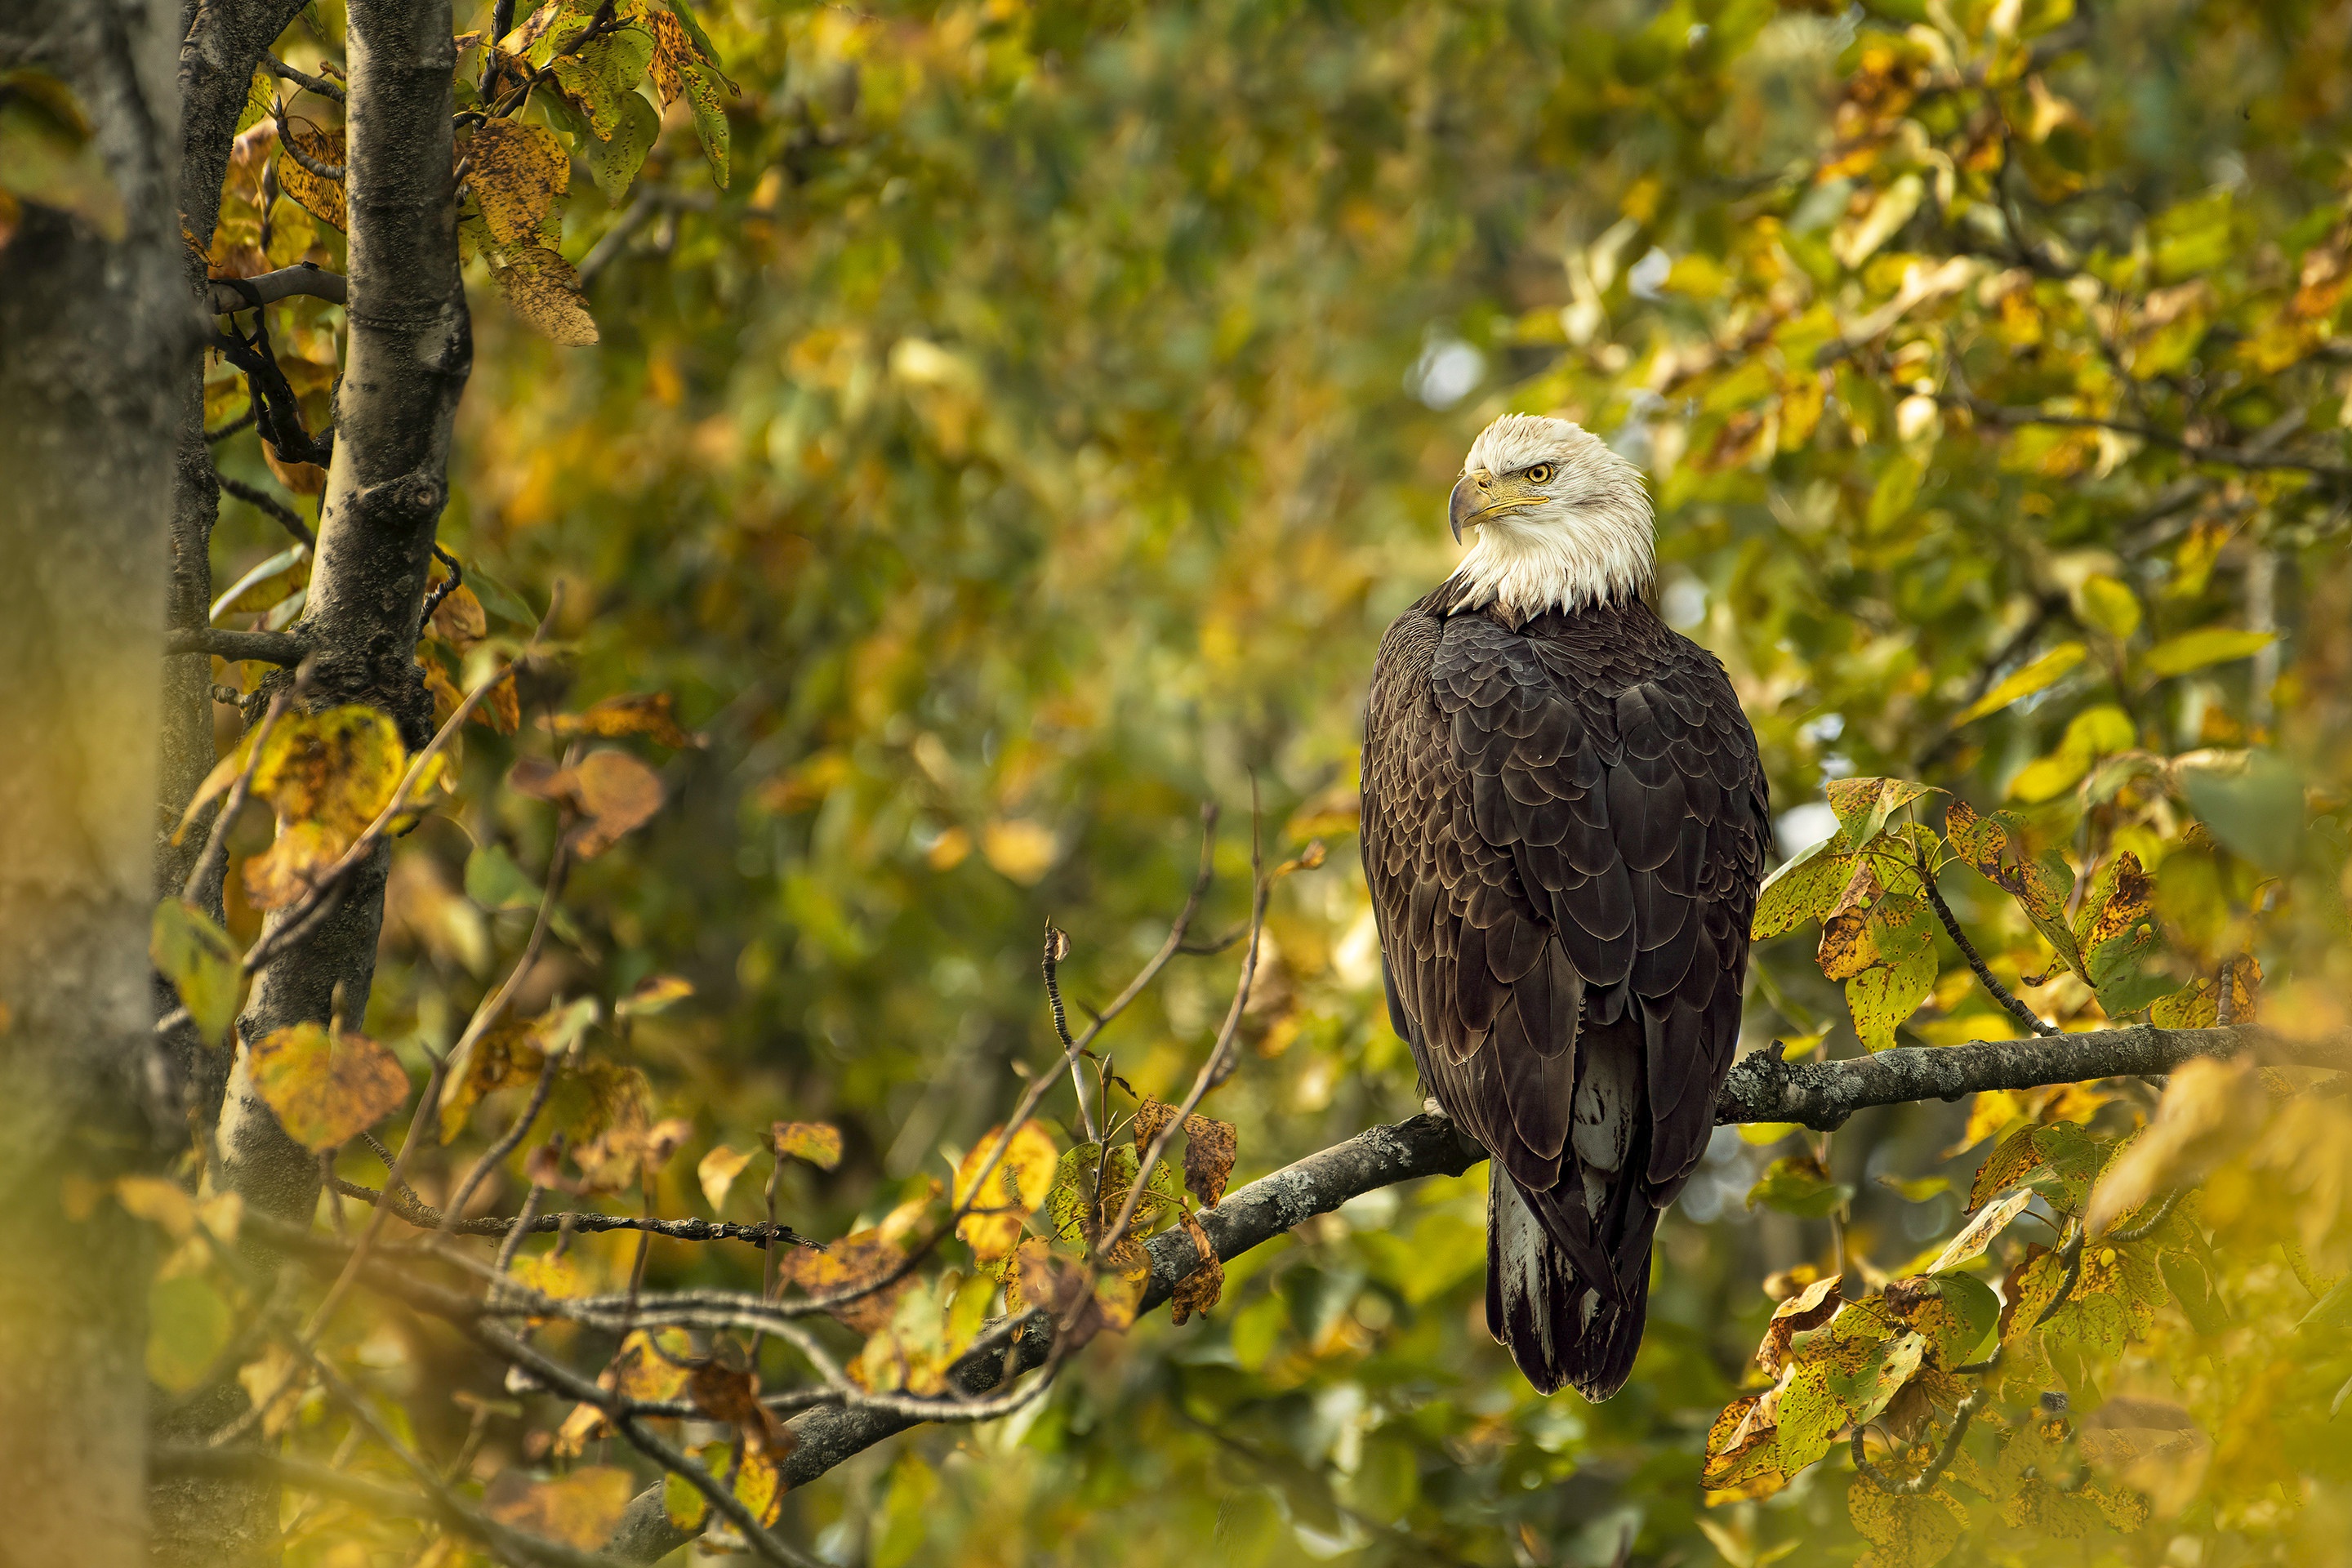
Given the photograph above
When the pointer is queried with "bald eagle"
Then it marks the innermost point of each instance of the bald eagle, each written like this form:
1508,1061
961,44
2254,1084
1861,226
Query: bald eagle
1564,826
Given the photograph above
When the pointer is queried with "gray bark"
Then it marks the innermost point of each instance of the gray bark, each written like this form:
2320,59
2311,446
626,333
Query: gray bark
410,349
1762,1088
406,359
94,333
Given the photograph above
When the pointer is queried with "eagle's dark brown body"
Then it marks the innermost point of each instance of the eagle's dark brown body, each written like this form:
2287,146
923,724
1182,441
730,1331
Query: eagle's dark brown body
1564,829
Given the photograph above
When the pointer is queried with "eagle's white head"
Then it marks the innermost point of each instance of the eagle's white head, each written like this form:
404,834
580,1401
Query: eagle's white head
1562,522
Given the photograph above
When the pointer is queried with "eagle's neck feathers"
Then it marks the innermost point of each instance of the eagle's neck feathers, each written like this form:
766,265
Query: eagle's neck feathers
1597,555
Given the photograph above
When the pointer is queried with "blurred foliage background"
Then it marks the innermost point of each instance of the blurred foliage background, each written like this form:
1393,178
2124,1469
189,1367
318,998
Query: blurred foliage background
1029,443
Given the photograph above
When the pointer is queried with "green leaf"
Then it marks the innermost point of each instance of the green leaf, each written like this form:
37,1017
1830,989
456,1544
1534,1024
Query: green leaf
498,599
188,1327
614,162
702,89
602,74
1863,805
2038,676
1803,889
1797,1184
494,881
2256,811
2198,650
2110,605
200,961
1886,993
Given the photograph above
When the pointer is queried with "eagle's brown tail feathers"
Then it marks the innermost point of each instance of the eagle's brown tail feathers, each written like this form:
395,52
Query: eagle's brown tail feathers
1560,1330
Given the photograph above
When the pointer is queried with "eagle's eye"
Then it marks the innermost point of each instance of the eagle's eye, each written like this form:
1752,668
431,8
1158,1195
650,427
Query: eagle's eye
1540,474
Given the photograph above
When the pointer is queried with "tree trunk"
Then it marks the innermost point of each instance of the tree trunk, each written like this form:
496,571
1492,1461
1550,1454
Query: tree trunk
95,331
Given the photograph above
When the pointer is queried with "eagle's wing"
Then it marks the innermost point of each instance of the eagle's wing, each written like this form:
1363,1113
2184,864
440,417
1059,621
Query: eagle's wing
1563,835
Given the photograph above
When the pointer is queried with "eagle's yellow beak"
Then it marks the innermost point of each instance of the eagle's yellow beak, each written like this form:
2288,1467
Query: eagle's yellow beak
1479,495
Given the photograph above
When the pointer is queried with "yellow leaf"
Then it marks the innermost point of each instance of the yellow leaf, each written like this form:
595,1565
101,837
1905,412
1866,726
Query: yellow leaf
2038,676
717,1173
274,1384
322,199
1010,1192
159,1201
652,1366
327,775
1018,850
654,995
645,713
579,1509
2209,646
519,171
814,1142
759,1485
325,1094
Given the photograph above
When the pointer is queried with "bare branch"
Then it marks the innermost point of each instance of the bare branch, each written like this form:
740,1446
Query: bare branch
1821,1095
317,84
261,499
267,288
586,1223
1999,993
267,648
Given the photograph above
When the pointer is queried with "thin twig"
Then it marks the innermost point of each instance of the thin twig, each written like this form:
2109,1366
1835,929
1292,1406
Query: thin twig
317,84
496,1153
2002,994
1962,1414
262,501
1027,1104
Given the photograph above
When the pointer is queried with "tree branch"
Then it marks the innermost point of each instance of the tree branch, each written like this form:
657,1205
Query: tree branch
1762,1088
269,287
262,501
269,648
425,1217
1821,1095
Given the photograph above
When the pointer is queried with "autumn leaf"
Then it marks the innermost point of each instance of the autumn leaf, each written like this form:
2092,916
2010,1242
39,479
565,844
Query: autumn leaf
461,619
652,1365
611,790
1007,1195
647,714
200,961
325,1092
1809,1309
322,198
519,171
1977,1235
581,1509
814,1141
1903,1532
717,1173
327,775
1198,1291
1209,1148
655,994
543,291
854,1261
